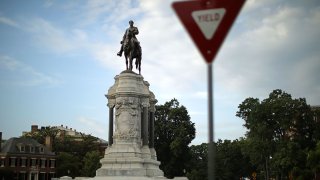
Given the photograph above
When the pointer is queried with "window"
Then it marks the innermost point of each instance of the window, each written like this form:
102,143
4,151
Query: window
43,163
32,149
12,161
2,162
27,148
23,162
33,162
41,149
52,163
22,148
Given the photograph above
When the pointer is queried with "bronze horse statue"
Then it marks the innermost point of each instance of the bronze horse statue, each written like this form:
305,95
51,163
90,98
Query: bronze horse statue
132,50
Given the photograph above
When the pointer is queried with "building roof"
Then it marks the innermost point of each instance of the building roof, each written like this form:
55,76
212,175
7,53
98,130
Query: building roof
12,146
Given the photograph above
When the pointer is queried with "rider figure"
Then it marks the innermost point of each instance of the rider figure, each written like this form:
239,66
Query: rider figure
134,30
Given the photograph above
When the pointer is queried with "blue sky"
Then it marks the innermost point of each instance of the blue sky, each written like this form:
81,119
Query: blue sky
58,59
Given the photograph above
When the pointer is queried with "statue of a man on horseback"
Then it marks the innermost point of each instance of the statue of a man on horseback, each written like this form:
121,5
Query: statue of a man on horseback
131,47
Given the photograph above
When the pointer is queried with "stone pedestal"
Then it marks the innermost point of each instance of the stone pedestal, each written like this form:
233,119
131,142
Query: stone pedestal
130,154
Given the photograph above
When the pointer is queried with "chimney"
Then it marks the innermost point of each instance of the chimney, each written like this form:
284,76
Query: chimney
0,140
34,128
48,143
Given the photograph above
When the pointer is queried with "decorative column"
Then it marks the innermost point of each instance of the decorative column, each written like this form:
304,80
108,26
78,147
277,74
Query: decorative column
111,107
151,129
152,110
145,119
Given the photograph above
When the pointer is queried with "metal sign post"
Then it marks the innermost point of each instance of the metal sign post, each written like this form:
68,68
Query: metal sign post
211,152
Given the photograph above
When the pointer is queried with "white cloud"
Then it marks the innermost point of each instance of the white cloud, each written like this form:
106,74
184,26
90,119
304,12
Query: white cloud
25,75
267,52
9,22
201,94
50,36
56,38
7,62
93,127
48,3
106,55
110,12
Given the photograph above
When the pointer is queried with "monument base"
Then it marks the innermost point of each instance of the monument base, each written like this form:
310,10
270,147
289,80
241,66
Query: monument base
131,156
129,160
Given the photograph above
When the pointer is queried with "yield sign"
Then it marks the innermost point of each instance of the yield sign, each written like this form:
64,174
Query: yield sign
208,22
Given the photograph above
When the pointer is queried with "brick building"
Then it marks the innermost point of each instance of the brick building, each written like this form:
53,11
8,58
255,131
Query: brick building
26,159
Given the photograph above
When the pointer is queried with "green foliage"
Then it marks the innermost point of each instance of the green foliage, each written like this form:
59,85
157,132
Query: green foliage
231,163
197,166
91,162
79,150
313,159
316,115
280,132
173,133
76,147
68,165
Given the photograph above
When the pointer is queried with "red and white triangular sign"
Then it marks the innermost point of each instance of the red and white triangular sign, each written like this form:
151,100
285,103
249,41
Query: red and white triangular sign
208,22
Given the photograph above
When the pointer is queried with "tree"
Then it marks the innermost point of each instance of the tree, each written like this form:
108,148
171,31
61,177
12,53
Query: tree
68,165
231,163
274,125
42,133
79,150
173,133
197,166
88,144
91,162
313,160
259,137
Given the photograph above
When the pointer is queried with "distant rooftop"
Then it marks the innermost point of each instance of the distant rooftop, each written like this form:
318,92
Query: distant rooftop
24,145
64,131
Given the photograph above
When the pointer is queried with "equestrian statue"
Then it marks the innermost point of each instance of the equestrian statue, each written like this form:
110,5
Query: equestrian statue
131,47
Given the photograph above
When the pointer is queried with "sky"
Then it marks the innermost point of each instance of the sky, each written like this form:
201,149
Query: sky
58,59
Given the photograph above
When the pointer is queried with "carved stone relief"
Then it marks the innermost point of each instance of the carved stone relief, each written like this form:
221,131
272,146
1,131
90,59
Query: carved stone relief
127,115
